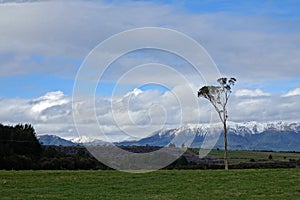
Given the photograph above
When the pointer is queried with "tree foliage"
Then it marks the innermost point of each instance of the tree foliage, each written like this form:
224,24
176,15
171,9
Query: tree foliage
18,140
218,95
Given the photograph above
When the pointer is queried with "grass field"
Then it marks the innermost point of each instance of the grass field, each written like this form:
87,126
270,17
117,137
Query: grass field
255,154
238,156
174,184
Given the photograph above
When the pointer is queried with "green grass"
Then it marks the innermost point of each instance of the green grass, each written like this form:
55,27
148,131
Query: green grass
237,156
255,154
175,184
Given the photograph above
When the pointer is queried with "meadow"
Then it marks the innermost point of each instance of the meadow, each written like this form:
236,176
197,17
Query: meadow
238,156
163,184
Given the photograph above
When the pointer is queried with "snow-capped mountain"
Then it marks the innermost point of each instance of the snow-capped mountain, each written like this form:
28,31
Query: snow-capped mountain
237,128
83,139
243,128
89,141
277,136
54,140
255,127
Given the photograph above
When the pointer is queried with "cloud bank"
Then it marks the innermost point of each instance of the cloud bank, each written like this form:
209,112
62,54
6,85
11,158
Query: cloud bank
138,112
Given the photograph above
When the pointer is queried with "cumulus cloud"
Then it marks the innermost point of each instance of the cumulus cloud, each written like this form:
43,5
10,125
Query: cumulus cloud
138,113
51,99
291,93
269,107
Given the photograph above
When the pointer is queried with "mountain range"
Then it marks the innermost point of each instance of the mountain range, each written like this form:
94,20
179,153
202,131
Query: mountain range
273,136
53,140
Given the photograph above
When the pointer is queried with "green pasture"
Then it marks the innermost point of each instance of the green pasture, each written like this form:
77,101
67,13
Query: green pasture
238,156
164,184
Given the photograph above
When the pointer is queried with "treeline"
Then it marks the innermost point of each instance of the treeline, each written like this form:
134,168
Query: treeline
55,159
20,149
18,140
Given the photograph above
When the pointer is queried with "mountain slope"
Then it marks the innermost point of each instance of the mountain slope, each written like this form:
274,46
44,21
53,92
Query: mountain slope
276,136
54,140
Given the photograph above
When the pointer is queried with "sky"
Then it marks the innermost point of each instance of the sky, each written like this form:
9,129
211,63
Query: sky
45,45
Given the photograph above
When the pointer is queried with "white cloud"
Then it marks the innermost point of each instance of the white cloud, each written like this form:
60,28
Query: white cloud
49,100
63,31
251,93
138,113
293,92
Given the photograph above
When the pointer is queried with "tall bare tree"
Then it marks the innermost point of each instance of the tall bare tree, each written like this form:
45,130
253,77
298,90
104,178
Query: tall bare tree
218,97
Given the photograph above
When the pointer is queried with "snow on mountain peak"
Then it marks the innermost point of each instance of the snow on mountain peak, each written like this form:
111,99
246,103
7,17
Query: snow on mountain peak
257,127
242,128
202,129
83,139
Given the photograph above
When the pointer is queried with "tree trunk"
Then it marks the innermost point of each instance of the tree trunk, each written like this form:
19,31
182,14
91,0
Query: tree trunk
225,146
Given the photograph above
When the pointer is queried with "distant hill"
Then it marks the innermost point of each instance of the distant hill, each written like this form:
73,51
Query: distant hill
54,140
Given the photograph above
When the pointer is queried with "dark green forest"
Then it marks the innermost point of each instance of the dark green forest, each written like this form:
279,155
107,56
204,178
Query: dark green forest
19,147
21,150
18,140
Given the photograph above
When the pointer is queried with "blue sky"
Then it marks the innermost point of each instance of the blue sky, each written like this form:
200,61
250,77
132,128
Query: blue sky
44,43
276,9
39,81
